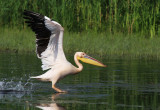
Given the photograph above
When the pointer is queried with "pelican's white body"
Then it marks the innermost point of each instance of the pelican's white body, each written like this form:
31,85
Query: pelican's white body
58,71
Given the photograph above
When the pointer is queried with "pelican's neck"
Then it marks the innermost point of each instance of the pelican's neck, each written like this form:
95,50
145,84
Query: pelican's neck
80,66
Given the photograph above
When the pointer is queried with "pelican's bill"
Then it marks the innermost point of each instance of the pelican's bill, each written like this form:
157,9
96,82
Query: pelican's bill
90,60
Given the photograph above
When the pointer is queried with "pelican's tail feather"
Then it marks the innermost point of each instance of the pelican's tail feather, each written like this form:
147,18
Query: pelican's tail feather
40,78
35,77
43,77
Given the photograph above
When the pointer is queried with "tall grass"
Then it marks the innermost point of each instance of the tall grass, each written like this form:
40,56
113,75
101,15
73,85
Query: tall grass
111,16
17,40
91,43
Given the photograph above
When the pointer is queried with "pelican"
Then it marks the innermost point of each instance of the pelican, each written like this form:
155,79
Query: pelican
49,48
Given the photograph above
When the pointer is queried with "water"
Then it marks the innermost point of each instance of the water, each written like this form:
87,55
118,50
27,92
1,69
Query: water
126,84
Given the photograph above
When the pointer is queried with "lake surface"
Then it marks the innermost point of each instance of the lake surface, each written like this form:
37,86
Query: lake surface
125,84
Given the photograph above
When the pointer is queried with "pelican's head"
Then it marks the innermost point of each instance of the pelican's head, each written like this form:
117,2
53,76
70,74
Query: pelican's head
87,59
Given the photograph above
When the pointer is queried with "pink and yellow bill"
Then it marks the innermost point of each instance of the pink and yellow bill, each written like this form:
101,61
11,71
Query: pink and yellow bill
90,60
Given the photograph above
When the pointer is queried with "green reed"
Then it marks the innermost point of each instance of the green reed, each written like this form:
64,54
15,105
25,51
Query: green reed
111,16
90,42
17,40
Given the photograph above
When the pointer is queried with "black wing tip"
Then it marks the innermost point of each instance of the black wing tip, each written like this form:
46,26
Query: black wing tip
32,14
29,12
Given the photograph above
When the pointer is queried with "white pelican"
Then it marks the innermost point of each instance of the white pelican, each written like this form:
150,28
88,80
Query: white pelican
49,48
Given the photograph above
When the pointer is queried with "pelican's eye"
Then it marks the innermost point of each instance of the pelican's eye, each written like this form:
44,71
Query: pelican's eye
83,54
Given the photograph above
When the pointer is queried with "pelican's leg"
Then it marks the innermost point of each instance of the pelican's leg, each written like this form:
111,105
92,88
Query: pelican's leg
57,89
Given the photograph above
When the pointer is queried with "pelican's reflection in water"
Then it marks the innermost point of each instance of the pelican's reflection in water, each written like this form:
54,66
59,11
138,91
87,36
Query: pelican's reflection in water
52,105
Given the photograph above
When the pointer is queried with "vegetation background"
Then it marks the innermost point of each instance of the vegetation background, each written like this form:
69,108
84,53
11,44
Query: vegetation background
112,26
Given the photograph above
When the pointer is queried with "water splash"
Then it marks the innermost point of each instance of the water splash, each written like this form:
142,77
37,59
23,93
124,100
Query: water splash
12,85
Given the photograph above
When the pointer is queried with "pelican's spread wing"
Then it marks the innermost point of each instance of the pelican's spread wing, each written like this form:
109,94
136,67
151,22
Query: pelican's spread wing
49,38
